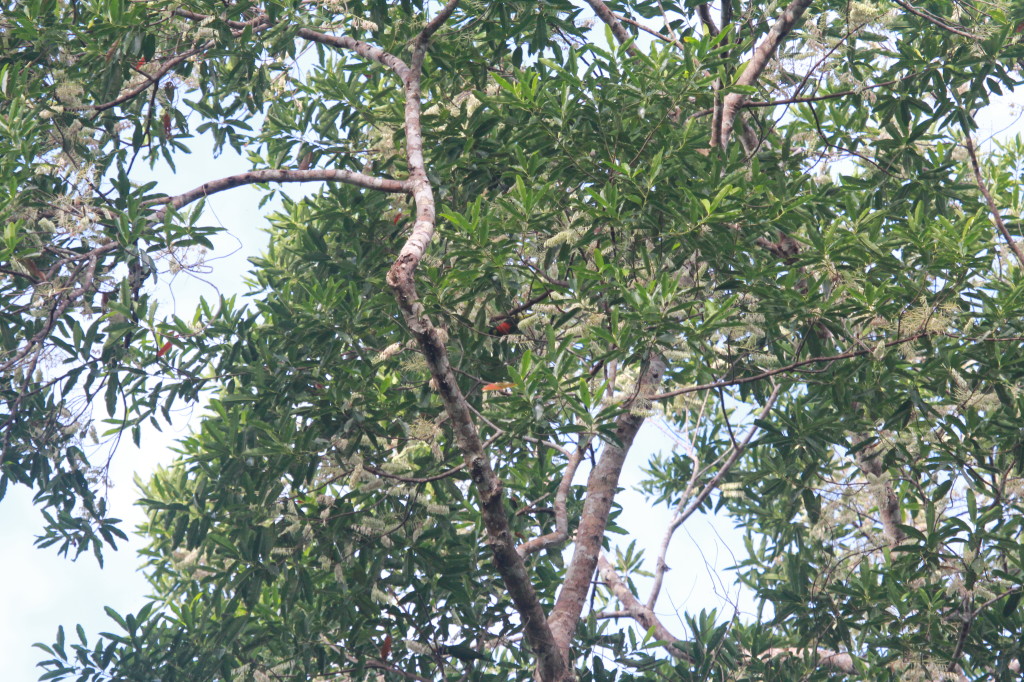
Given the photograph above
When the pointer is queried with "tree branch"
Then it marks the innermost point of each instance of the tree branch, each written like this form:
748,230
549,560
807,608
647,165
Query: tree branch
932,19
993,209
282,175
151,79
869,462
811,98
561,532
401,279
635,610
607,16
683,514
792,366
651,31
601,487
410,479
704,12
365,50
762,53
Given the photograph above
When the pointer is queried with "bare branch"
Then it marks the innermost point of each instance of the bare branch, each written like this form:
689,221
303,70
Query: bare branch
711,485
601,487
437,22
704,12
651,31
561,532
762,53
282,175
607,16
365,50
660,566
993,209
635,610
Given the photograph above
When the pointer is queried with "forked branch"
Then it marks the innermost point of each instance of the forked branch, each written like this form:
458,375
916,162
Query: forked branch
601,487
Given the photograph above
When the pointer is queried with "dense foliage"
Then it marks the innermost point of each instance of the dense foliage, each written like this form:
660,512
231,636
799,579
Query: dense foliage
536,226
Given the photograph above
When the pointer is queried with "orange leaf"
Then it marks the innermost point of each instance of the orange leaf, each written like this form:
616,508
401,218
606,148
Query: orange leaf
163,349
499,386
167,124
385,648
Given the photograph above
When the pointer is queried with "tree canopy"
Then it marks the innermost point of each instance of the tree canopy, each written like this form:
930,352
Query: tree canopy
534,226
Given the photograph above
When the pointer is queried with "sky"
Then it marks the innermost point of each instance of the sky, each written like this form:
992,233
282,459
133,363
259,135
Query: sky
40,590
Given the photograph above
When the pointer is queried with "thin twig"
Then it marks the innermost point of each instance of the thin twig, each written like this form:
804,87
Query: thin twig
409,479
790,367
694,505
931,18
651,31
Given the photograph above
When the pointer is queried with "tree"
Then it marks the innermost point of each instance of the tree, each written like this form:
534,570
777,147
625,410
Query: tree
531,234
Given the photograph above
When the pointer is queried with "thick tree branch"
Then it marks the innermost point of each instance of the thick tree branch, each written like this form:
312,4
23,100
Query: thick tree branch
282,175
601,487
993,209
704,12
552,665
869,462
755,67
365,50
607,16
